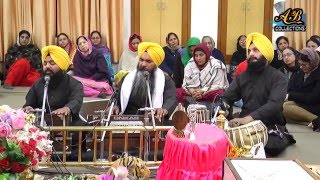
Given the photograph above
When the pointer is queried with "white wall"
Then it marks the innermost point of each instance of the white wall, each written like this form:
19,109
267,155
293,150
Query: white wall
204,18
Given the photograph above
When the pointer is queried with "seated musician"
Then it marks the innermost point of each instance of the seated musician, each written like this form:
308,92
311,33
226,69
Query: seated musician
263,90
133,88
65,94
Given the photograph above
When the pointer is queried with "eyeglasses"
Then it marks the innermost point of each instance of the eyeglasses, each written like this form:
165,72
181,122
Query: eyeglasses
287,55
95,38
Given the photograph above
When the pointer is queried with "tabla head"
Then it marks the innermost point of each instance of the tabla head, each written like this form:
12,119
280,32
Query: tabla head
180,120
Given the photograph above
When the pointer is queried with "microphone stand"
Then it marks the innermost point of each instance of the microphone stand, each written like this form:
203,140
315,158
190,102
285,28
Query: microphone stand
151,106
43,110
104,132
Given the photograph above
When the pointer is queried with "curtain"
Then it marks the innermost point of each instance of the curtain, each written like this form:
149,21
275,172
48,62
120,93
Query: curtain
312,10
35,16
45,19
80,17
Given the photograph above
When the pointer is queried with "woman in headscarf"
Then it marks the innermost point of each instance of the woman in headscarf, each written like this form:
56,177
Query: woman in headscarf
282,42
290,59
65,43
96,40
240,55
188,50
205,77
22,62
91,69
171,52
313,43
303,98
129,58
208,40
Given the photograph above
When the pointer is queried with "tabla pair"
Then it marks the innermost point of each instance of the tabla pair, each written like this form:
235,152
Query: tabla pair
249,134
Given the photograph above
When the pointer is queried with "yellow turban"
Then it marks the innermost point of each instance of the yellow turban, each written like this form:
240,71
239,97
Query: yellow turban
262,43
59,56
154,50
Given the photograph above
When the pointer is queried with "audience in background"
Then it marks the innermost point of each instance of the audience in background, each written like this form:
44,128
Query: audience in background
22,62
208,40
91,69
313,43
316,37
303,97
282,42
290,62
65,43
188,50
240,55
129,58
171,51
205,77
96,39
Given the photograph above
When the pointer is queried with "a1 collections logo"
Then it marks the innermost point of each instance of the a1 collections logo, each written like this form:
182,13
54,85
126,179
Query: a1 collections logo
290,20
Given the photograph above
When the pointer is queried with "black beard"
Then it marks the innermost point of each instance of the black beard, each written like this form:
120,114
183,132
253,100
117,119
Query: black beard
257,66
55,78
139,89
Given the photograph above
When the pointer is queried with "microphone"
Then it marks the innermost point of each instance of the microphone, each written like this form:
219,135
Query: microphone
146,74
47,78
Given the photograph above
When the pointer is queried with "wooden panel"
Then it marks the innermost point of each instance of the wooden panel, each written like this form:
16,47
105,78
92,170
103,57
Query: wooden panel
222,27
135,16
150,20
186,22
268,16
254,16
171,19
236,20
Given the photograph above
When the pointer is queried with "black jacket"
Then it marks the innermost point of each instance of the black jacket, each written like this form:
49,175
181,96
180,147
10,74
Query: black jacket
262,93
306,93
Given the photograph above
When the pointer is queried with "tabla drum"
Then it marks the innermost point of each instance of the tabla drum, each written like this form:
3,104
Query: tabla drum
248,134
198,112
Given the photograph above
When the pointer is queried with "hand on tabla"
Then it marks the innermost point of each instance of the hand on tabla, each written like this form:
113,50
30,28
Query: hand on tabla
240,121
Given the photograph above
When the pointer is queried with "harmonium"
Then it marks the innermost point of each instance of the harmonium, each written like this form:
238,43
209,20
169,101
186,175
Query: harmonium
118,137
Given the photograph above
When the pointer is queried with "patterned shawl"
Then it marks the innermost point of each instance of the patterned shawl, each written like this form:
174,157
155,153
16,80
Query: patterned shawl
212,77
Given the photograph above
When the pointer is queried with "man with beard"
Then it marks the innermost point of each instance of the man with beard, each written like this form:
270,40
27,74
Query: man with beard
133,88
263,90
65,94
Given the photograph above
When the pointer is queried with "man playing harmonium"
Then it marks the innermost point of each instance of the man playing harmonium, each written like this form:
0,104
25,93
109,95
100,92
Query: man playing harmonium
132,94
65,94
263,90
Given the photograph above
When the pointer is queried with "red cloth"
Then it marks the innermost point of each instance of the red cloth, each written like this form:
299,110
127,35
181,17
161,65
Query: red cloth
198,159
241,68
209,96
21,73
